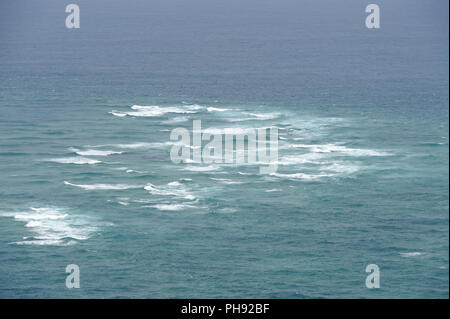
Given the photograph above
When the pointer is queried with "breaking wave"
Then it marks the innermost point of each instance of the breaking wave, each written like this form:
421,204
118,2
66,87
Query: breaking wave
53,226
103,186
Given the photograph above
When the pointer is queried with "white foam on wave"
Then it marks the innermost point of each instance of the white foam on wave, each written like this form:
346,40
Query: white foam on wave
118,114
156,111
171,207
334,148
139,145
246,174
227,130
302,176
256,117
130,171
316,162
325,159
73,160
53,226
273,190
103,186
175,189
123,168
93,152
227,181
193,107
411,254
235,130
132,145
217,109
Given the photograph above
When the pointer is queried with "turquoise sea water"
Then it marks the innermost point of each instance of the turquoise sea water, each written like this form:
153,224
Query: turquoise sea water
363,150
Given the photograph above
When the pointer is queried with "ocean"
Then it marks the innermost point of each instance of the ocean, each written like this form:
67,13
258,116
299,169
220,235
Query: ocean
86,175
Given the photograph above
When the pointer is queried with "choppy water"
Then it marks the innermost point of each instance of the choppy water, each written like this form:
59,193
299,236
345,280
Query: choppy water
86,176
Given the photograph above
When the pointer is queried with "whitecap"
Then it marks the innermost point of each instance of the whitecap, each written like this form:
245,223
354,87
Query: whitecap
123,168
73,160
193,107
273,190
301,176
411,254
217,109
138,145
235,130
334,148
103,186
175,189
226,181
256,117
246,174
53,226
156,111
118,114
93,152
171,207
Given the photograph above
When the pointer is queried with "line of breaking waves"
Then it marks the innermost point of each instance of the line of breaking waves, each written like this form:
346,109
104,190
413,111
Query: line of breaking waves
54,226
301,156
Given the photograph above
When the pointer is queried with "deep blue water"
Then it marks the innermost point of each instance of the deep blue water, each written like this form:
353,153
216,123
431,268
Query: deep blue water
363,149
